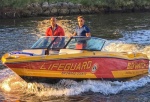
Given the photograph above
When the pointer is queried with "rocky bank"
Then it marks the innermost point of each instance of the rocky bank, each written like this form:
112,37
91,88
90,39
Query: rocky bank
61,8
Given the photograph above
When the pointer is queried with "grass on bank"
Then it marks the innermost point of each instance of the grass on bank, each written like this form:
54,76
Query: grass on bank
96,3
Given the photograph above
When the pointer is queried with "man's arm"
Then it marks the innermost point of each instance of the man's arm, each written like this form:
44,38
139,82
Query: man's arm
74,34
46,33
88,34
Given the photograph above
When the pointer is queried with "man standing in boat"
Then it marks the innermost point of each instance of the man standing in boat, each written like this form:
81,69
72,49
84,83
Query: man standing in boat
81,30
55,30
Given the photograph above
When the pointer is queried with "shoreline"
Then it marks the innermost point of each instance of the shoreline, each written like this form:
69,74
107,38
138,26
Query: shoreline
46,9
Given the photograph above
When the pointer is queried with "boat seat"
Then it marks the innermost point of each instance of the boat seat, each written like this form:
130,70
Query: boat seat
36,52
69,51
53,52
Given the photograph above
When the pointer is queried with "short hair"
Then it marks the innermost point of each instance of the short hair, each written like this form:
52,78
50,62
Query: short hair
53,18
80,17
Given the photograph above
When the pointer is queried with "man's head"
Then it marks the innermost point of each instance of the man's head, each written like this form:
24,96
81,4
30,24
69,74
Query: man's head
53,21
80,20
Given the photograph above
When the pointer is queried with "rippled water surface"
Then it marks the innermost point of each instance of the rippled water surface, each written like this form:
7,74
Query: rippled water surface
126,32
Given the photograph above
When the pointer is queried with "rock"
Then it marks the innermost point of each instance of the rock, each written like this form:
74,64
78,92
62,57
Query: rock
45,6
71,5
53,5
29,7
74,11
36,5
34,8
46,13
64,8
38,10
79,5
26,13
65,5
64,11
54,11
85,10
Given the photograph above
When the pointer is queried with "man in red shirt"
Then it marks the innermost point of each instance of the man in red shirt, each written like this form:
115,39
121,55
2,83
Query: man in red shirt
54,29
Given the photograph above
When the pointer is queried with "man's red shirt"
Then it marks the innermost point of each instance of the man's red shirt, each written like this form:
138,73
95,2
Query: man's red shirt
57,32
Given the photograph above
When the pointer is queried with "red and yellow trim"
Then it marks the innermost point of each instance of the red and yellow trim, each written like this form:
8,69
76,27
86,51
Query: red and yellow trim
52,74
85,54
128,73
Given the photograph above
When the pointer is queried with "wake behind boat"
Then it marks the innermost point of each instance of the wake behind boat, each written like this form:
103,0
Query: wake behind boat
75,58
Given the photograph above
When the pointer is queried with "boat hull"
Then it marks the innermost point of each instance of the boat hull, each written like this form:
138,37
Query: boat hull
87,66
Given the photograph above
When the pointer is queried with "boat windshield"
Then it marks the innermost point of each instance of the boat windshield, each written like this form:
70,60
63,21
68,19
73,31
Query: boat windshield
86,43
59,42
50,42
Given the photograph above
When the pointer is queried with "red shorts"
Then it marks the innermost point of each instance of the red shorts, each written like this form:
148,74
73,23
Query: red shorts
80,46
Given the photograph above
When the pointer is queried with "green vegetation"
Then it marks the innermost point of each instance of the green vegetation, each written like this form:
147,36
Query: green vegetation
91,3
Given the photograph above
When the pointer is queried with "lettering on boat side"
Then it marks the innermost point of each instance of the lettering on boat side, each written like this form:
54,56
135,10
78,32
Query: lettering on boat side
67,66
136,65
70,66
74,73
135,72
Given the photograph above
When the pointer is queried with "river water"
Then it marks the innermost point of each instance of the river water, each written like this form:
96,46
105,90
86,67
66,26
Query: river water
126,31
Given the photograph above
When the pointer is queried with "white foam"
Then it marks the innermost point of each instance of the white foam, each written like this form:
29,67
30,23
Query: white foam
70,87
